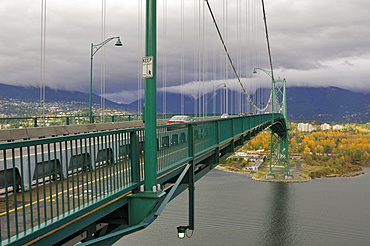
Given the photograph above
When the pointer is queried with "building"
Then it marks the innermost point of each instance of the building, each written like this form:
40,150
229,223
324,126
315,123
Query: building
241,154
305,127
337,127
325,127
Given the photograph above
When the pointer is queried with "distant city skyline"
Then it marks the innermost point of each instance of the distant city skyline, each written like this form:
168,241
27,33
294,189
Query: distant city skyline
313,43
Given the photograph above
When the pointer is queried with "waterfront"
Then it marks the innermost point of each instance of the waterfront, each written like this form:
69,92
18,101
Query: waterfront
232,209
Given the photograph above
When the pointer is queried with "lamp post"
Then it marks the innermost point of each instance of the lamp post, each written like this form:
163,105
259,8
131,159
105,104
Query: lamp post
276,89
93,50
269,73
214,97
181,231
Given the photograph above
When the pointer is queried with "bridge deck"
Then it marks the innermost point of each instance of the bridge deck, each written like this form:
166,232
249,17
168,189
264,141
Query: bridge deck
60,180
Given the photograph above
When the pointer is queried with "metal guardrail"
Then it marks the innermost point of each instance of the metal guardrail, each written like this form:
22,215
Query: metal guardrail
43,182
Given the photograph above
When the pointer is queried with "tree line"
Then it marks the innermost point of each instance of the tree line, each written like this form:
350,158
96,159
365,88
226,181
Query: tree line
325,152
351,144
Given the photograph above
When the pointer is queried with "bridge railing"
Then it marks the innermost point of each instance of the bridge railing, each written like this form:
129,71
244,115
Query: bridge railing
44,181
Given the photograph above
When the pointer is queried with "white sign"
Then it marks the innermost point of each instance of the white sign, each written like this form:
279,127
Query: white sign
148,67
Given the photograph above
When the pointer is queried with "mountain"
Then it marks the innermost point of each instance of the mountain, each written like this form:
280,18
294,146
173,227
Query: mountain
327,104
32,95
172,102
322,104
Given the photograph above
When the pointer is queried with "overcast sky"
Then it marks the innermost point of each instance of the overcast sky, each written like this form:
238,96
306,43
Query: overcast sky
313,43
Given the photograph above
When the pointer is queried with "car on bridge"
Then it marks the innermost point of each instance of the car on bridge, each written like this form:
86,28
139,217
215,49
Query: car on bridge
177,119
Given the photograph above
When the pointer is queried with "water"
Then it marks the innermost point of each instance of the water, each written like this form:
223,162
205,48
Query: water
232,209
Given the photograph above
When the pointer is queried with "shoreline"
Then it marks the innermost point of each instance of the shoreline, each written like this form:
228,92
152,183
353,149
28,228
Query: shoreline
347,175
296,178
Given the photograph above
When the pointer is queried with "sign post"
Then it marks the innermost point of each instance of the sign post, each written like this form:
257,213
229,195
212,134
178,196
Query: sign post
141,204
147,67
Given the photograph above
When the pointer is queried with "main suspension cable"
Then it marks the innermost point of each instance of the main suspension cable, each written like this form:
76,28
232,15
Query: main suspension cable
267,40
224,45
230,60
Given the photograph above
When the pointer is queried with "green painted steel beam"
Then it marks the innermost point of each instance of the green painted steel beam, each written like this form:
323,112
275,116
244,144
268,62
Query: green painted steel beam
113,237
150,154
173,189
141,204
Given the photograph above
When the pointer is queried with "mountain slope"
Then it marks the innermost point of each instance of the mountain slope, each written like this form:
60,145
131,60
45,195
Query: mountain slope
304,104
32,94
330,104
327,104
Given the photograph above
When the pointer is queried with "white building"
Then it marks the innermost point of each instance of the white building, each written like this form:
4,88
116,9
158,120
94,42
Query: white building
325,127
305,127
240,154
337,127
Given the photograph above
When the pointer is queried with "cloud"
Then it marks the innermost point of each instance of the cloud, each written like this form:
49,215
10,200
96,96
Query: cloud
349,74
347,63
312,43
125,96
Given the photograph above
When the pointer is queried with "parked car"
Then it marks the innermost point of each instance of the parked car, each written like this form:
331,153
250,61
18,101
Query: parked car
180,119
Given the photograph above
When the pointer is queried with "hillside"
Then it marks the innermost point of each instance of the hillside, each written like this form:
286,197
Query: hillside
323,104
32,95
327,104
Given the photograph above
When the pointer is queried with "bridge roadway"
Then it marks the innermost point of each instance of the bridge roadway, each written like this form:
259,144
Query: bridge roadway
77,187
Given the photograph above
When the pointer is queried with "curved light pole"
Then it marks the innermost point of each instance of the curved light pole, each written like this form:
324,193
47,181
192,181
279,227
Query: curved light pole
214,97
94,49
269,73
279,89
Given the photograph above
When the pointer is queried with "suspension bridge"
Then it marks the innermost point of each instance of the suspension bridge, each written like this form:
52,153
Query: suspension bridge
95,183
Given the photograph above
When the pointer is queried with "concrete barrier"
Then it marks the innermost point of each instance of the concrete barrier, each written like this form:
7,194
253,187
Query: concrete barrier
13,134
7,135
40,132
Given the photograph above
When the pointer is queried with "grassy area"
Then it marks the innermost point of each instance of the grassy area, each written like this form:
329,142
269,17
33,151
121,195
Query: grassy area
311,167
328,166
263,173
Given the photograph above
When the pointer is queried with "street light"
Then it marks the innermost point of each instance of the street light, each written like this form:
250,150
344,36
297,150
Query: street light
269,73
278,91
181,231
214,95
94,49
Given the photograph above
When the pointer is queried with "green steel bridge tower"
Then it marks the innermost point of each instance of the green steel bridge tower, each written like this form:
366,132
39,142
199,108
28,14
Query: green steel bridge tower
279,140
